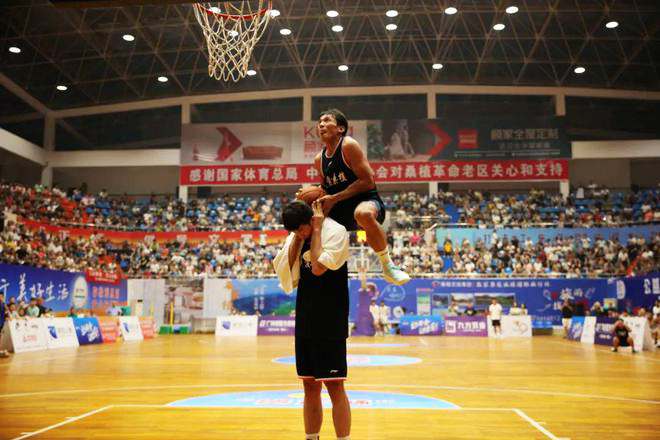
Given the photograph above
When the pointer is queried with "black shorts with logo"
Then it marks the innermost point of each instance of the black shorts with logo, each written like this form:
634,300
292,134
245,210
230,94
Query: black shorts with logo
321,359
496,323
344,212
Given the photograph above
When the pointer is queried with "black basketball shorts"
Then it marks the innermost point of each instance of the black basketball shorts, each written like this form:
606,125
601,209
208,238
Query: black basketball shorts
321,359
344,212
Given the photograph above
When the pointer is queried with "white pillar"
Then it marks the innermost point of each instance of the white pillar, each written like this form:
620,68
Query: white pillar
433,188
560,104
431,112
564,188
307,107
49,146
183,193
47,176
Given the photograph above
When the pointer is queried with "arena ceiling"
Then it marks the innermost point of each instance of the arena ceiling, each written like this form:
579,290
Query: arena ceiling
84,49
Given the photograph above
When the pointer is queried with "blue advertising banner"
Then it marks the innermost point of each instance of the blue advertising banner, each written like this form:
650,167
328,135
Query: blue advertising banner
575,331
604,329
59,290
457,235
88,331
542,296
633,292
421,325
262,295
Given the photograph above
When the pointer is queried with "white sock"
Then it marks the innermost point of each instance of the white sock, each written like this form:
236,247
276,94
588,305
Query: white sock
312,436
348,437
384,257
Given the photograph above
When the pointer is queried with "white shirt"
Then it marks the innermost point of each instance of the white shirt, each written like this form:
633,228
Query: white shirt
495,311
656,311
334,253
384,312
373,309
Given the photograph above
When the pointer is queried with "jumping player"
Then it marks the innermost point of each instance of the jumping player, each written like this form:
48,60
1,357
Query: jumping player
314,259
351,196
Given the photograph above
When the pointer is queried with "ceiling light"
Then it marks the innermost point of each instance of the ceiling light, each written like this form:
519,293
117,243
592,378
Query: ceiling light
451,10
499,26
285,31
215,9
274,13
338,28
612,24
392,13
251,72
62,88
163,79
233,33
579,70
343,68
512,9
332,13
391,27
437,66
15,49
128,37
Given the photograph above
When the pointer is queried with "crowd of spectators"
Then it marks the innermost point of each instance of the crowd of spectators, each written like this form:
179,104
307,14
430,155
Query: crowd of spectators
418,252
584,207
568,256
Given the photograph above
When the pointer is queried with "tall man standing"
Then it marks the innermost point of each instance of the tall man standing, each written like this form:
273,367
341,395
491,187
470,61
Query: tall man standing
314,260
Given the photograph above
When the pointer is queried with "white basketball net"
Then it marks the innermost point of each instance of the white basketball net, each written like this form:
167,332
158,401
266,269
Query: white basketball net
232,29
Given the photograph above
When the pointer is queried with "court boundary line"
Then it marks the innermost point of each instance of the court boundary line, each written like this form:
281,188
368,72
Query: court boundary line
413,386
520,413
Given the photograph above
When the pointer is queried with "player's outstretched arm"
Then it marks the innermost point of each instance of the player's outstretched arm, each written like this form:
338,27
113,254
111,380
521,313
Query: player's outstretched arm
315,247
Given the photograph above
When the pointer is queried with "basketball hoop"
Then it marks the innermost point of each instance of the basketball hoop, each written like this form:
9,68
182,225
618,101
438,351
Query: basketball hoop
232,29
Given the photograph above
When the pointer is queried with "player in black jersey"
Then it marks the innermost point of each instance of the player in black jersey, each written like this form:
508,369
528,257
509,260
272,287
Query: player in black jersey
351,195
621,336
321,248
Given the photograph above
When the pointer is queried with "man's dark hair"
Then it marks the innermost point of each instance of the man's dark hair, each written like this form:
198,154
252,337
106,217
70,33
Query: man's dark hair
339,117
296,214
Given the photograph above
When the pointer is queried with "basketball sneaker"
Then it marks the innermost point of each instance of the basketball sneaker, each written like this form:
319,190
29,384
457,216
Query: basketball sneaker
395,275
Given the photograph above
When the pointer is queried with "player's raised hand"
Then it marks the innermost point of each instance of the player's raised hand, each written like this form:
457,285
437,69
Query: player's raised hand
317,218
327,202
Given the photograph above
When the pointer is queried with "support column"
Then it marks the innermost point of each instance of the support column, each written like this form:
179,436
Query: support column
185,119
560,104
49,146
433,188
307,108
183,193
431,112
564,188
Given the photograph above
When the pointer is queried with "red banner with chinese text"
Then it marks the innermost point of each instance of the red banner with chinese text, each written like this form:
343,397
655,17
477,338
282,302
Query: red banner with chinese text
134,236
445,171
102,277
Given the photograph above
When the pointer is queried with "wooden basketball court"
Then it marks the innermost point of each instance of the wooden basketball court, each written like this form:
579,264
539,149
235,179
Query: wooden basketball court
543,388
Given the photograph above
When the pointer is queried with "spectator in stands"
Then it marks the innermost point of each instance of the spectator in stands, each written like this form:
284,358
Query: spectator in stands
72,313
514,310
622,336
115,310
566,315
469,310
3,311
523,309
12,312
33,308
42,308
656,308
375,317
453,310
384,315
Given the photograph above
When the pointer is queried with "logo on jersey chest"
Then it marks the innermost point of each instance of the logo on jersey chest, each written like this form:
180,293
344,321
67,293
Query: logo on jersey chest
335,178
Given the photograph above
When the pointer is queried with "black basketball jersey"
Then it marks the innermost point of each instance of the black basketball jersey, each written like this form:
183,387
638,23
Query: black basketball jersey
622,332
321,301
336,174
